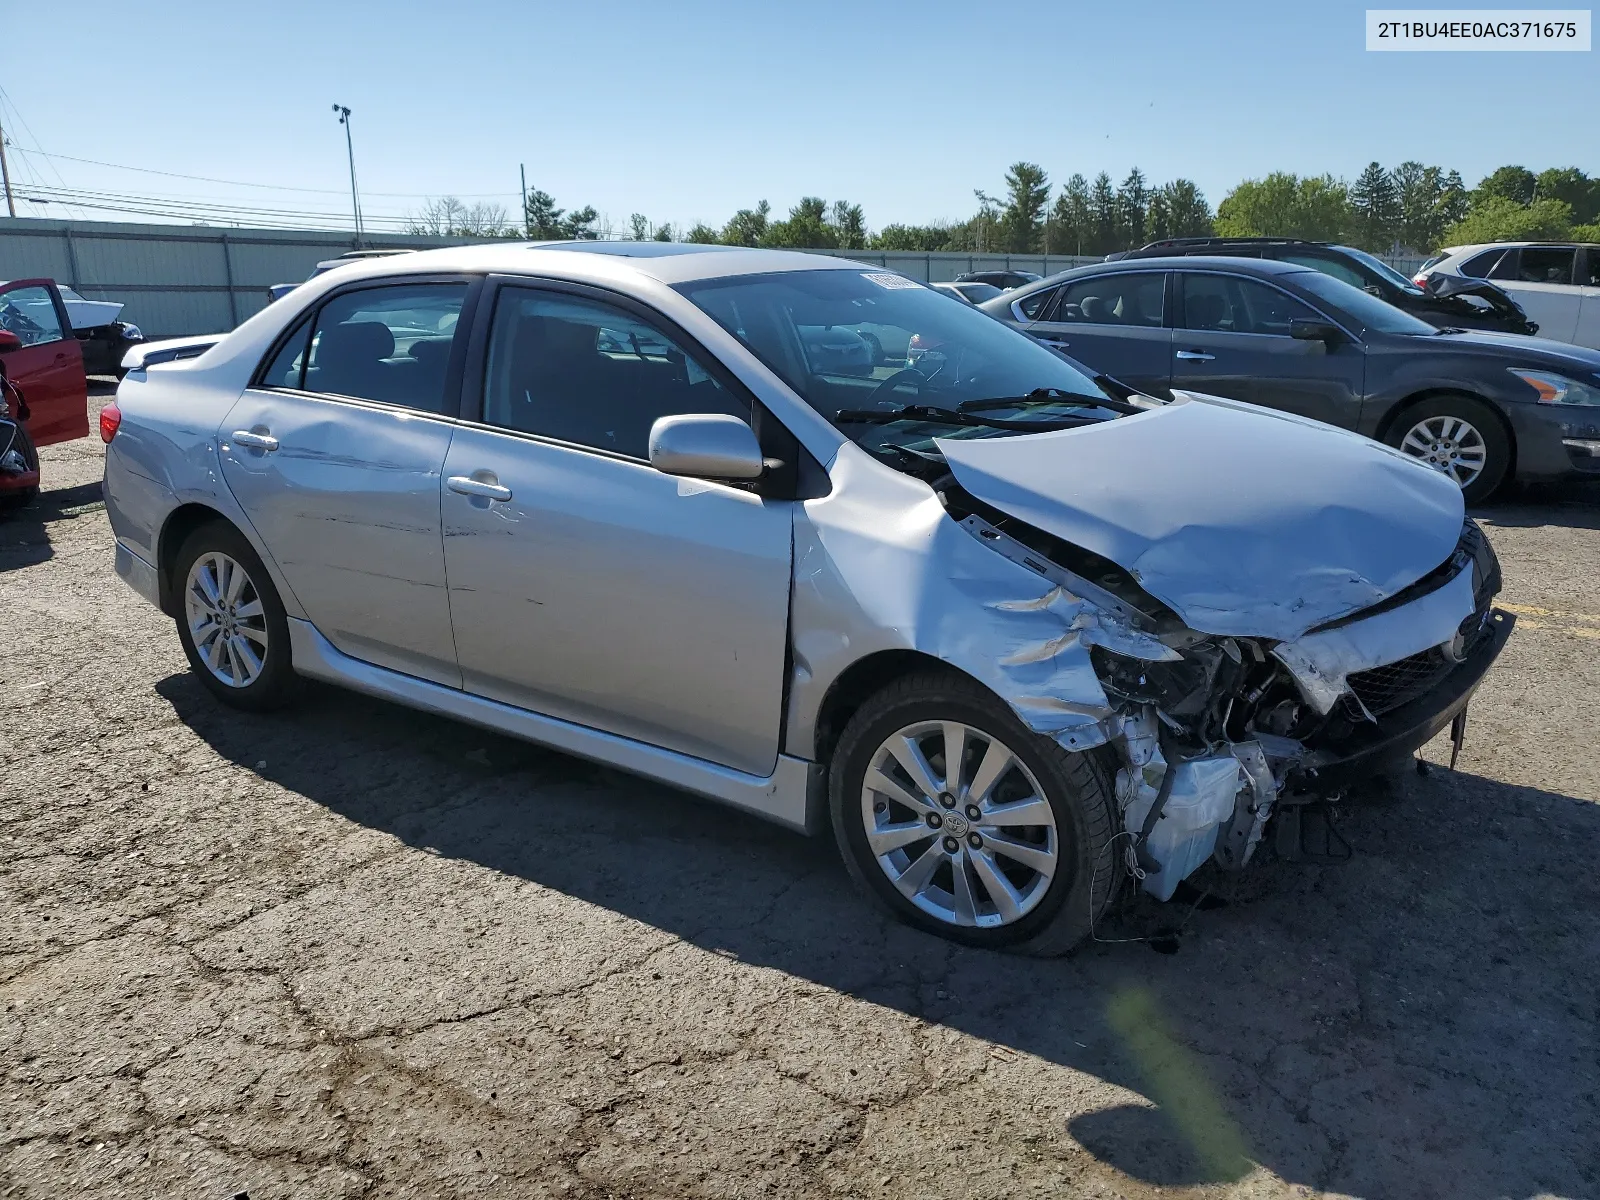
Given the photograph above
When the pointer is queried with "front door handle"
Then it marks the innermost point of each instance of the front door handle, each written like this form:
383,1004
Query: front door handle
1048,340
1195,356
466,486
256,441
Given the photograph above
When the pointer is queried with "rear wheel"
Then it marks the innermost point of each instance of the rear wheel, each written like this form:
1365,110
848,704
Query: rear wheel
967,824
231,623
1459,437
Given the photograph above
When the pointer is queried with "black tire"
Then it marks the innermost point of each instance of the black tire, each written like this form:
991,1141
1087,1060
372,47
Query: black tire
276,684
1496,442
1076,786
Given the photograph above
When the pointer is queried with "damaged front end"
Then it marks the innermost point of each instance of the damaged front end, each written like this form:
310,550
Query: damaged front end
1211,733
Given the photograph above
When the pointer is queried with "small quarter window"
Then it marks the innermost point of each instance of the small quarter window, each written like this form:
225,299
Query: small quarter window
1035,306
1479,265
287,368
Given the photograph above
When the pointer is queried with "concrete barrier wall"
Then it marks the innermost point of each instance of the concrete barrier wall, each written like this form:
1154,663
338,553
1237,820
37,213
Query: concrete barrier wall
176,280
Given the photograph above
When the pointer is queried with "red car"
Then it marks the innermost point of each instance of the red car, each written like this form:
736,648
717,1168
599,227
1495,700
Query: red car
44,393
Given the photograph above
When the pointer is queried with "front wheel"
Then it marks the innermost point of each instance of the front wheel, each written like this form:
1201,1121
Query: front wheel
965,823
1459,437
233,627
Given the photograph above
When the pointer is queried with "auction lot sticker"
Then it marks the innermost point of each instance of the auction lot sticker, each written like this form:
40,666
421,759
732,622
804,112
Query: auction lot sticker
1478,29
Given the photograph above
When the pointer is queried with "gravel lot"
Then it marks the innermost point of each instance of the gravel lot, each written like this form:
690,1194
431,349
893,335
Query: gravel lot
354,951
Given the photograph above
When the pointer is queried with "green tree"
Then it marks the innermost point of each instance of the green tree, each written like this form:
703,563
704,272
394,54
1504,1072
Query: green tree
1102,216
1284,205
1496,218
1027,196
1587,233
913,237
663,232
638,227
1510,183
1069,217
1133,198
806,227
1574,188
1375,208
849,225
747,226
702,233
1188,214
1454,201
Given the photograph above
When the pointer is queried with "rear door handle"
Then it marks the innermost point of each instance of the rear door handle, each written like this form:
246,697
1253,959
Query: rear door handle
1048,340
1195,356
256,441
466,486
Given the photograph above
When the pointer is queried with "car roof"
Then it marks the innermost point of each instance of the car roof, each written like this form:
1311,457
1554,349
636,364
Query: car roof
666,262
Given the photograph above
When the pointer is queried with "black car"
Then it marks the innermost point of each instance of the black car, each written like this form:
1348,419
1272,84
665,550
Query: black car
1003,280
1479,406
1474,305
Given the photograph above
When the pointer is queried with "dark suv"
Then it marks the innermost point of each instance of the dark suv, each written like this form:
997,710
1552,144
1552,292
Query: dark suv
1004,280
1451,306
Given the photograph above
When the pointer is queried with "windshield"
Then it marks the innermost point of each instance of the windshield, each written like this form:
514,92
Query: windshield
852,341
1383,269
1362,307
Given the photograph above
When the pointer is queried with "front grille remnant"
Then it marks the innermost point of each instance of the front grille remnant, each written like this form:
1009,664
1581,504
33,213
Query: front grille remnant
1384,689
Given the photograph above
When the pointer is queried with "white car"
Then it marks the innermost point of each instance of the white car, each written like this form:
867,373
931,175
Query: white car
1556,283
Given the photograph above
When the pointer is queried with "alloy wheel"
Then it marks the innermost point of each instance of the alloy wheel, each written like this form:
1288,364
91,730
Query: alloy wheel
959,825
226,619
1450,445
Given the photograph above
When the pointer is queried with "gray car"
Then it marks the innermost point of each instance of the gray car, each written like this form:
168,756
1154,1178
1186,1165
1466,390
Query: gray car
1018,636
1481,407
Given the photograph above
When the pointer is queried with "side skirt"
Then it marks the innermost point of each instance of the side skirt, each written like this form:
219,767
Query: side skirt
792,796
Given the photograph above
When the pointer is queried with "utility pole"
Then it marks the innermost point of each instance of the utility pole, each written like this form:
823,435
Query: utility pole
11,204
355,202
522,201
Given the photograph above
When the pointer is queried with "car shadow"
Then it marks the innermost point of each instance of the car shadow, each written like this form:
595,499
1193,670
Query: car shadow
1390,1026
1569,505
25,532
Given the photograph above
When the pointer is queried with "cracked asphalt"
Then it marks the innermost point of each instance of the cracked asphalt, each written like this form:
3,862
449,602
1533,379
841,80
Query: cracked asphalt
350,950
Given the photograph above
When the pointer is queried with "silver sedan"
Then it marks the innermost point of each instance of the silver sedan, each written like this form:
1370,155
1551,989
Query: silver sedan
1018,634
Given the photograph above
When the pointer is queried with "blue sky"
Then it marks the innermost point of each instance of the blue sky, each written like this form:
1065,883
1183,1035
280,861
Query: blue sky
686,112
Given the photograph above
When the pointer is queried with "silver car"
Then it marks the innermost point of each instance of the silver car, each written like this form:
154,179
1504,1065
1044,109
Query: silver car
1018,635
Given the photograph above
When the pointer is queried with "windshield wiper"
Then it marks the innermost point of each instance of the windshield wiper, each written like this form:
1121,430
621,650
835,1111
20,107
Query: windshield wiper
1042,396
951,416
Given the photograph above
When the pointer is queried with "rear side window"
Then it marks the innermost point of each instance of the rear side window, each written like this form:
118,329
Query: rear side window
1546,264
1479,265
582,371
1114,300
389,344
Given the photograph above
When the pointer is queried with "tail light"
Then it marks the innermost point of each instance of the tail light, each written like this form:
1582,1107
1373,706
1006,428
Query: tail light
110,421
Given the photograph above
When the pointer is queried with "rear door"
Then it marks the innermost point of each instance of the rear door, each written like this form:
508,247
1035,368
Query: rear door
48,369
335,454
1589,304
1234,341
1543,280
1115,324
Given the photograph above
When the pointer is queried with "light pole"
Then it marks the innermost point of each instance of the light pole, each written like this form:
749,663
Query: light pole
355,202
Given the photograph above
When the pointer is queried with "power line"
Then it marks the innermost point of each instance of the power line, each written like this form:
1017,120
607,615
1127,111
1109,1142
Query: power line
277,187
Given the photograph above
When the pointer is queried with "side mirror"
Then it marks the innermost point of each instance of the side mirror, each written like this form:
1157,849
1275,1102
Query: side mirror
706,446
1305,329
9,341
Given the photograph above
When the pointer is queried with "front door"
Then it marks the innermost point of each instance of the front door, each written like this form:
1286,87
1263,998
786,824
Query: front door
588,586
335,455
1233,340
1114,324
48,368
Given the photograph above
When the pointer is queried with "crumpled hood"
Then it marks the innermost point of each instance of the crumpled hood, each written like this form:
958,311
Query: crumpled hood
1243,520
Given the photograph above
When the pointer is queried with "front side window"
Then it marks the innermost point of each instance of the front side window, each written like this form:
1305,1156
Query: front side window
30,313
389,344
1546,264
582,371
1225,304
1114,300
1327,266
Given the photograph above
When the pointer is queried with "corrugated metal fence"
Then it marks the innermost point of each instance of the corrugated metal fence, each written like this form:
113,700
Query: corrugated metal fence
176,280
